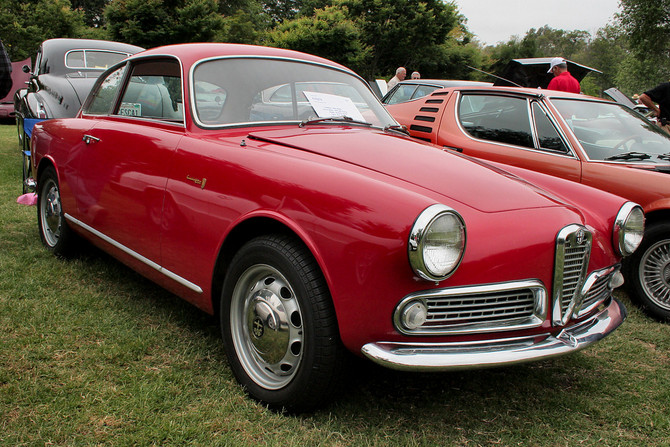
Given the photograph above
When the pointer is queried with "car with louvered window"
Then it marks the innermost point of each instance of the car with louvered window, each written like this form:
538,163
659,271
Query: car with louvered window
596,142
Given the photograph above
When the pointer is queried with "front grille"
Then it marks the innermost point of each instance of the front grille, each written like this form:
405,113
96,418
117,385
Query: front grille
485,308
599,291
573,249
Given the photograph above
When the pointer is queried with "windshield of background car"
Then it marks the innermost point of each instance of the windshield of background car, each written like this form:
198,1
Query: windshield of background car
608,131
94,59
234,91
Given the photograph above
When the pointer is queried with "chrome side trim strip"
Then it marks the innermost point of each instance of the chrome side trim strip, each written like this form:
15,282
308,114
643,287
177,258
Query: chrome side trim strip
491,353
139,257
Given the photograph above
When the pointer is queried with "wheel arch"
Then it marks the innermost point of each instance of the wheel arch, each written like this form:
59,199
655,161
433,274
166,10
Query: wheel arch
657,216
242,233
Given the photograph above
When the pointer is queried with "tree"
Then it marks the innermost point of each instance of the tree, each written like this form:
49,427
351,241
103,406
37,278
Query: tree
150,23
316,35
25,24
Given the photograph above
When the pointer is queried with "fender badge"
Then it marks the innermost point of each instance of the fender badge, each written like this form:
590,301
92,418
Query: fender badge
197,181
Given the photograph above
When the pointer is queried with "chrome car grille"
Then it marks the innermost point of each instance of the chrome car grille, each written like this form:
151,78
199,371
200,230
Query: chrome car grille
573,249
484,308
598,289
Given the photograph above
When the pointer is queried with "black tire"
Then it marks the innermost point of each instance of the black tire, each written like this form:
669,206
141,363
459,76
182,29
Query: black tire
648,272
55,233
279,327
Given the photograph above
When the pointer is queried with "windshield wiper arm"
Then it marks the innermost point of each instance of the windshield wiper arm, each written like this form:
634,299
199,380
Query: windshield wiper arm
344,119
629,156
397,128
664,156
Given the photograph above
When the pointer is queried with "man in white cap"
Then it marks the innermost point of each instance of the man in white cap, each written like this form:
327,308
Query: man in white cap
562,80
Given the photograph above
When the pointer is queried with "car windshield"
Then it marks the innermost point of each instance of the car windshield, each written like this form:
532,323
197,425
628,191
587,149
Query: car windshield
232,91
609,131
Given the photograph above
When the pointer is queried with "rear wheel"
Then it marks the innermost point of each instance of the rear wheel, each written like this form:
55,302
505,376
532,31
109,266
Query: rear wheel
56,235
279,326
648,271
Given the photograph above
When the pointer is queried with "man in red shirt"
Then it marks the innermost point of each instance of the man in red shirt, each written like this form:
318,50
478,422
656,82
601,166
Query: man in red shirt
562,80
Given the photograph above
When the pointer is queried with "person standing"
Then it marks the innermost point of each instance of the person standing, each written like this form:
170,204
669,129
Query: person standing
5,72
562,80
400,75
659,95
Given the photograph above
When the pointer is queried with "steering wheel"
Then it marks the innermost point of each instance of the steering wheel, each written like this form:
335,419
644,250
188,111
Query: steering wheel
626,140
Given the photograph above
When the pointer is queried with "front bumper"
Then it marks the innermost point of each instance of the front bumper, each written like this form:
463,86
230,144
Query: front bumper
504,351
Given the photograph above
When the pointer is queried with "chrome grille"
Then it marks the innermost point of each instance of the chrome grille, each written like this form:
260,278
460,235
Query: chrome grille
573,249
599,290
484,308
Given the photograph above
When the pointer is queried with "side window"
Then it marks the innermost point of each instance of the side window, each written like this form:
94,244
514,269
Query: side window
423,90
547,134
102,100
153,91
496,118
402,94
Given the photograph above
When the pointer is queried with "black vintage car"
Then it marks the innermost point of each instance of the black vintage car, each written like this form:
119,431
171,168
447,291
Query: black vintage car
64,72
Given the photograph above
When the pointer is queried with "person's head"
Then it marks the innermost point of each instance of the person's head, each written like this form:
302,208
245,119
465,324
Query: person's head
415,75
401,73
557,66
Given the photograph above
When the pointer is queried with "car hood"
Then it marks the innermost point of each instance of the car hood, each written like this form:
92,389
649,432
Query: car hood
462,179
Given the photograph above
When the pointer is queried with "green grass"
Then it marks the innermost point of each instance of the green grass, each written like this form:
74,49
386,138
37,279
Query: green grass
93,354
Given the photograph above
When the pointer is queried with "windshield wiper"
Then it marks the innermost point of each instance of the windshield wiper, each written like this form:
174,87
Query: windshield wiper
629,156
339,119
397,128
664,156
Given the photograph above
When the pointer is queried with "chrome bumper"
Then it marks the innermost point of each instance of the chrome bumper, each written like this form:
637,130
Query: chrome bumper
489,353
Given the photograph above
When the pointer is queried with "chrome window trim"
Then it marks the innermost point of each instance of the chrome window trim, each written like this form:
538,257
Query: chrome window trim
85,50
568,237
535,320
184,282
570,155
191,81
557,127
125,77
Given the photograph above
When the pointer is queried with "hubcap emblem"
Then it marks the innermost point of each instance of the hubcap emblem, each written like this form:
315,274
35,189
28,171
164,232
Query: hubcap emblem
258,327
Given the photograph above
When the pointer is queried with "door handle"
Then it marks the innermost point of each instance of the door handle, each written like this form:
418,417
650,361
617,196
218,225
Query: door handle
88,139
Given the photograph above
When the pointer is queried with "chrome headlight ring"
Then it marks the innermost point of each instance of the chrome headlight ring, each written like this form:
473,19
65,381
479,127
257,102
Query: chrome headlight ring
436,243
628,229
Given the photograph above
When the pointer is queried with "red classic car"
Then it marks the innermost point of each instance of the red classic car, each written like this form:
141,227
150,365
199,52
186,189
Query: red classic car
589,140
273,189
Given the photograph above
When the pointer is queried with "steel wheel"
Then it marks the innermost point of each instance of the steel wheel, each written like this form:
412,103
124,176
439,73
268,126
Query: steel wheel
54,230
266,326
278,325
655,273
50,212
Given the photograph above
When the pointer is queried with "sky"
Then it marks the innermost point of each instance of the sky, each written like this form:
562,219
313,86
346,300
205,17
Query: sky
494,21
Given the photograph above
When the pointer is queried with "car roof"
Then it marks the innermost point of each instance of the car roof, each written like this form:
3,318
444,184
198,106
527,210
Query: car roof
442,82
189,53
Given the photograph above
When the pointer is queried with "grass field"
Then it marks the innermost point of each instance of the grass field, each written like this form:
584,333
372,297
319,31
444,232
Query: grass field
93,354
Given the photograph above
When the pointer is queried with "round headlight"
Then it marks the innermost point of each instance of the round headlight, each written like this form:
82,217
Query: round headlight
436,242
628,228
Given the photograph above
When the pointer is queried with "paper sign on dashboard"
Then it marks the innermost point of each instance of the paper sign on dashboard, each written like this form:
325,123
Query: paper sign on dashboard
328,106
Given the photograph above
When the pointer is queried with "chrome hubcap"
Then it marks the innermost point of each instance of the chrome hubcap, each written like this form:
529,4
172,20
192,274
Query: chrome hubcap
50,212
266,326
655,273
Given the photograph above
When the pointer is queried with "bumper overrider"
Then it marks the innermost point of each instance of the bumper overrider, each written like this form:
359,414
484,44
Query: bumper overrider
503,351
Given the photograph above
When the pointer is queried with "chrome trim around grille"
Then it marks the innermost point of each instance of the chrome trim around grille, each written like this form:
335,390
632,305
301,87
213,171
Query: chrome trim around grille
573,250
477,309
503,351
596,289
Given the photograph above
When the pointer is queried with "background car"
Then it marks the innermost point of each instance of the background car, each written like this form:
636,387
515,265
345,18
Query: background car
410,89
580,138
64,72
19,80
310,236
